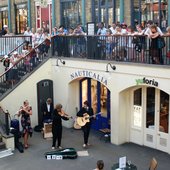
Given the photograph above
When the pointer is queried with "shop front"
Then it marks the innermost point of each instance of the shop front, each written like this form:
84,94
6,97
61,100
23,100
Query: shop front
95,90
147,114
150,117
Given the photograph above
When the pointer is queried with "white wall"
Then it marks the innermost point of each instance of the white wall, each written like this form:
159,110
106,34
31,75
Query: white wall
66,90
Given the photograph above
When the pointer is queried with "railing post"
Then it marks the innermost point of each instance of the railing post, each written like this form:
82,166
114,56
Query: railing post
7,122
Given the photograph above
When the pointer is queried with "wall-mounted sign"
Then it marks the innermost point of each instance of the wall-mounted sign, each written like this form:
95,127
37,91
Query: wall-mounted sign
90,28
4,9
147,81
137,116
90,74
42,3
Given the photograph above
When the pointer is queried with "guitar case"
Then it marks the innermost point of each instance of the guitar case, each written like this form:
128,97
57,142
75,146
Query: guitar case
66,153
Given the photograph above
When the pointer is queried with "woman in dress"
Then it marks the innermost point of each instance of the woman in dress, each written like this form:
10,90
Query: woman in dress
25,112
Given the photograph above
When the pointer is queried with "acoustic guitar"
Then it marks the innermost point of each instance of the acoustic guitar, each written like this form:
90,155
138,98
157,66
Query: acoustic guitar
81,121
76,125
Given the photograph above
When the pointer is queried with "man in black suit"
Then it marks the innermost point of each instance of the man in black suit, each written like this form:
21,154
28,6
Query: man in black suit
47,110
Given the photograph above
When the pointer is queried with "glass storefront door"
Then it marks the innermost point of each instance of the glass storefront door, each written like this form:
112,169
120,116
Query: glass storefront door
99,97
151,118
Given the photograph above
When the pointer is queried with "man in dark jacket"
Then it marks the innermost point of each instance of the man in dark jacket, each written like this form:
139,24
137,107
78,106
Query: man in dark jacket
86,110
47,110
4,30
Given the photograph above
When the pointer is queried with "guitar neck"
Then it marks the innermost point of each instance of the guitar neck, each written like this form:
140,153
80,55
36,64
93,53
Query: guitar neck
95,115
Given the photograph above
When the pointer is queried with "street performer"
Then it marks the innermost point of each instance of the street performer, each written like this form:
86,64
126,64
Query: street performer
84,111
58,115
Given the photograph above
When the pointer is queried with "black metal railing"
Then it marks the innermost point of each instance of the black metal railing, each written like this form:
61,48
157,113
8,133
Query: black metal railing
12,43
23,66
122,48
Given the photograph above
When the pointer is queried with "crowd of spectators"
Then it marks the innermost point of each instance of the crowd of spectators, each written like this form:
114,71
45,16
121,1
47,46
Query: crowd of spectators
116,44
118,41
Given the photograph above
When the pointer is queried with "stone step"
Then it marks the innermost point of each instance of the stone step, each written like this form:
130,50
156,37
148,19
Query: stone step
2,145
5,153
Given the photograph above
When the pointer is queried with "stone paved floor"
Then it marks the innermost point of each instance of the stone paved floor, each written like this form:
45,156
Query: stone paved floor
33,158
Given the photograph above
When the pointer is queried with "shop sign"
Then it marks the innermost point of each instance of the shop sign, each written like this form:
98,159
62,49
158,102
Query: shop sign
90,74
43,3
4,9
21,6
147,81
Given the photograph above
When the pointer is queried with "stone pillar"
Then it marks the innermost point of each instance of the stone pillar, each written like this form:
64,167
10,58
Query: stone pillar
83,5
29,13
9,16
122,11
53,14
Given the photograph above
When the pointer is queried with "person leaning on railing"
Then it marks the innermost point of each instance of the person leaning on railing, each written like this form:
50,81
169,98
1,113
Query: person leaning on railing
155,52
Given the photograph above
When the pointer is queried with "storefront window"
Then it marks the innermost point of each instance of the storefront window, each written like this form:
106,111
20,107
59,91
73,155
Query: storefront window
150,108
3,19
164,112
150,11
71,13
106,11
21,20
137,108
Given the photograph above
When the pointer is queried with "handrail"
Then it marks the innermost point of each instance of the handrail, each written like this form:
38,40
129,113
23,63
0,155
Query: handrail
21,59
12,43
12,51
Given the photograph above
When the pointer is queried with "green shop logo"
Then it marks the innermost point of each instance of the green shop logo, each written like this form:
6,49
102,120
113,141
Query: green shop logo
146,81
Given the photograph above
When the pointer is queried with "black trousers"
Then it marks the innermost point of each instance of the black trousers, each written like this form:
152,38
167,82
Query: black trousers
86,131
57,135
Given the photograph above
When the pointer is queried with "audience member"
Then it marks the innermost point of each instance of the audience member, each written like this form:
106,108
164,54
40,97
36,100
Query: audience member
4,31
99,165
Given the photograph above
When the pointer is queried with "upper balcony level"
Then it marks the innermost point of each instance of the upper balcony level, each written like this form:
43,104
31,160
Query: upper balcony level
120,48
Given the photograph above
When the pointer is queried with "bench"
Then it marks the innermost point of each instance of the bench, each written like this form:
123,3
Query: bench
105,134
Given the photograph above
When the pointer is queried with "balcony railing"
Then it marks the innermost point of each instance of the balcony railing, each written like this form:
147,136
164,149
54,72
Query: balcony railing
11,43
138,49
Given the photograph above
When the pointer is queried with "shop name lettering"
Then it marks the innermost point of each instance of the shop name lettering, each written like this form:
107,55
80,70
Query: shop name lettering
89,74
147,81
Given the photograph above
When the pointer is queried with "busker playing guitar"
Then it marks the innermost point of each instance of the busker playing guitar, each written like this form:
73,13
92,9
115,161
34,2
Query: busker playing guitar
86,110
